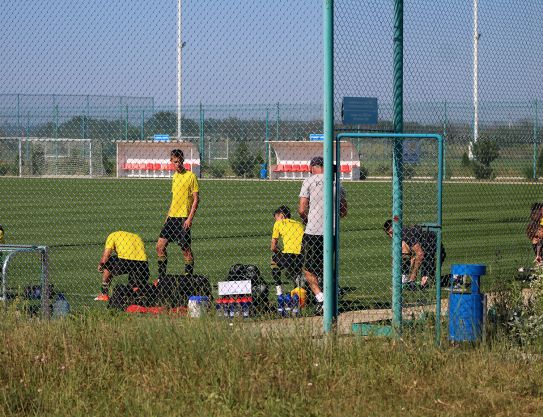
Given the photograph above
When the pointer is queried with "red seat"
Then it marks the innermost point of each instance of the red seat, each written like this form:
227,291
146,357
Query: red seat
288,168
278,168
128,166
156,166
140,166
149,166
345,168
296,168
171,167
304,168
187,166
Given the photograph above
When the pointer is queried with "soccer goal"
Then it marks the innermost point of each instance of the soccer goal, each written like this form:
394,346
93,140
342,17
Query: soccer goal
31,156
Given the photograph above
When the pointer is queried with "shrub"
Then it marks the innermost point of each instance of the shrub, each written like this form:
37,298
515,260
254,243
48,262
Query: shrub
363,172
465,160
484,152
482,172
217,171
243,162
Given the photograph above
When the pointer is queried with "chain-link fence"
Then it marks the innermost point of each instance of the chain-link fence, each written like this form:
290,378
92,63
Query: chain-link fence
96,156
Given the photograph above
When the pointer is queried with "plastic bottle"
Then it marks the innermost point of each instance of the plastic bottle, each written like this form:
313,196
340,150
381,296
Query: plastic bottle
61,307
280,305
218,307
231,308
245,307
287,305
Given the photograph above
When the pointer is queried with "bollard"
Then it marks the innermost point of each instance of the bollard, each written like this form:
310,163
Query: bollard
466,303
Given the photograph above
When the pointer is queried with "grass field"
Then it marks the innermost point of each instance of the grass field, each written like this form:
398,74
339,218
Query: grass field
118,365
483,223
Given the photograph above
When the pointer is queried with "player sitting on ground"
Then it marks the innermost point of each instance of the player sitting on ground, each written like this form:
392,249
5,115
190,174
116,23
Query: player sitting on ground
289,259
419,250
129,258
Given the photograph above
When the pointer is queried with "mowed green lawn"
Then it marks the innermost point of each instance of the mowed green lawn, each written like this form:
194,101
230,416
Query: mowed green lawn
483,223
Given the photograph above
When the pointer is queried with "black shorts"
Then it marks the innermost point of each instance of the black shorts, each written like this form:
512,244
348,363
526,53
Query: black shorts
313,249
173,231
138,271
289,262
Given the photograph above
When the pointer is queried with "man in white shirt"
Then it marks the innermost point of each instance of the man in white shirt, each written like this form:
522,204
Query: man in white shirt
311,211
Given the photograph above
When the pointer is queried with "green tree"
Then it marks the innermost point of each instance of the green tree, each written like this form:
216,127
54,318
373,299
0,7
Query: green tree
485,151
242,161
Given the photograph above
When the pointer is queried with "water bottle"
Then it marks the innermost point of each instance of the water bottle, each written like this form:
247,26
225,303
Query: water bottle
61,307
218,307
295,305
245,307
287,305
231,308
280,305
225,308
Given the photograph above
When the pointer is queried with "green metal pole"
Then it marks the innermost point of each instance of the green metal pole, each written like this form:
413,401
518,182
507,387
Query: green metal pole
397,185
440,173
267,141
19,132
142,134
201,147
126,123
56,122
330,287
535,140
445,123
277,123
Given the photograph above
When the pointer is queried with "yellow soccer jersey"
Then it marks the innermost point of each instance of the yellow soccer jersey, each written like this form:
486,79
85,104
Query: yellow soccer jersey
292,232
183,185
127,245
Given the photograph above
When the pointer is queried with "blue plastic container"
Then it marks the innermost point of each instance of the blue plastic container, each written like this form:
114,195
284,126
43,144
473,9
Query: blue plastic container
466,308
263,172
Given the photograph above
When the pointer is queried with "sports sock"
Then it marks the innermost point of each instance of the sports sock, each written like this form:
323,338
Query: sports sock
319,297
105,288
189,268
162,264
276,275
279,289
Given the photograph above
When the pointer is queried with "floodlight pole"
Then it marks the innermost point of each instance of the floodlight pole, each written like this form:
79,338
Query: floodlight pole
475,78
179,67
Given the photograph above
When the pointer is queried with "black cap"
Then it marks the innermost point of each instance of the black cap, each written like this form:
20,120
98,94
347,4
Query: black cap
284,210
317,161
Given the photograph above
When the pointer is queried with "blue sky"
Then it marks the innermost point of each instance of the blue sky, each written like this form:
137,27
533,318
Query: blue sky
243,51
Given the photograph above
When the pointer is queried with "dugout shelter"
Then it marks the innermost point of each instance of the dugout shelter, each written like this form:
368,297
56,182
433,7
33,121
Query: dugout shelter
292,159
147,159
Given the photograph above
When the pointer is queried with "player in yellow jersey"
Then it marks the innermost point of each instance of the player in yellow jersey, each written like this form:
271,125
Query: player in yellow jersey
185,199
124,253
289,259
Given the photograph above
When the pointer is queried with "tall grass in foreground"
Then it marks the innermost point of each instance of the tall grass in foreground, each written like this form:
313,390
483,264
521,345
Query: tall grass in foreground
117,365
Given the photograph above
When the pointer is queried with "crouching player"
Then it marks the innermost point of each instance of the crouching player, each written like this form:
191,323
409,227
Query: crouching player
289,259
129,258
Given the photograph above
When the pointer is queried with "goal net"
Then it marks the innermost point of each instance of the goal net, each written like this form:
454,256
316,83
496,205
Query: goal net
51,157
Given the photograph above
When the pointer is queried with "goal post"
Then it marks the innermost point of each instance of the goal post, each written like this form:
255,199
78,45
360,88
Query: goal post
34,156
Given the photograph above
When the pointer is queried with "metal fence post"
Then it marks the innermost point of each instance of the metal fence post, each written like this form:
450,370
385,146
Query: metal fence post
535,144
397,187
330,286
201,147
